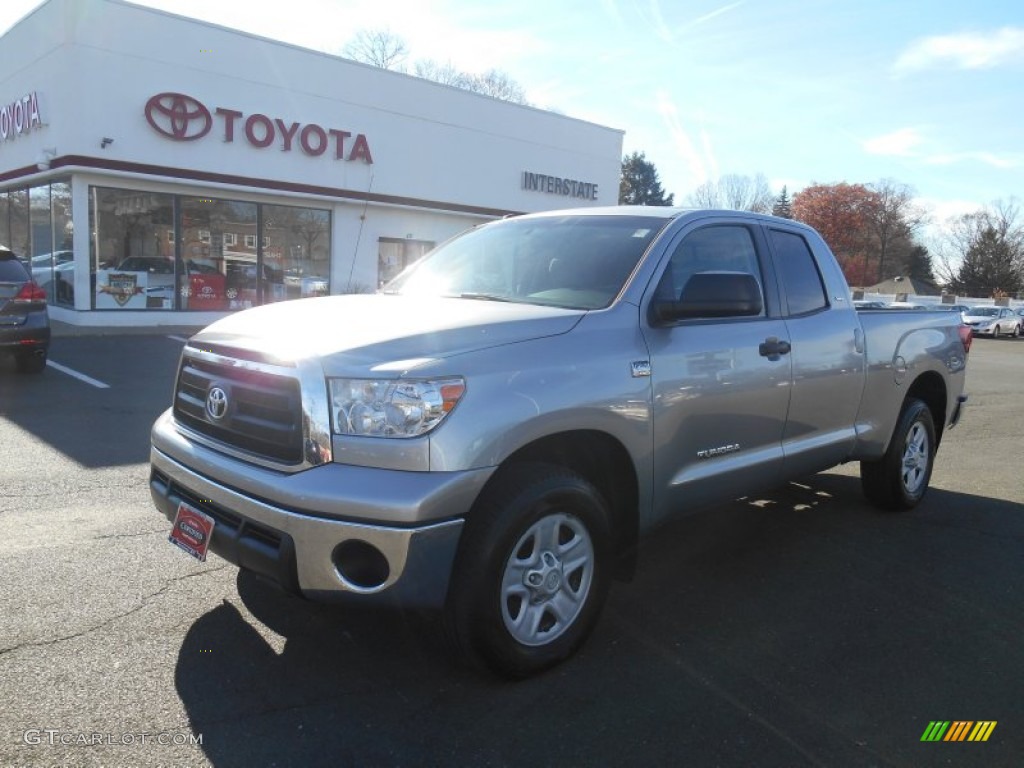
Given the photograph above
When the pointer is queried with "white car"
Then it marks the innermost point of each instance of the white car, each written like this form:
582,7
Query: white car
993,321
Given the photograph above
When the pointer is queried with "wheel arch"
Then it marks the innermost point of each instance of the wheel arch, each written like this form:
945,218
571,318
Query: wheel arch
603,461
930,388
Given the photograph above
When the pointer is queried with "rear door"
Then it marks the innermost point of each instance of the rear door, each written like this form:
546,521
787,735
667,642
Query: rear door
719,401
827,352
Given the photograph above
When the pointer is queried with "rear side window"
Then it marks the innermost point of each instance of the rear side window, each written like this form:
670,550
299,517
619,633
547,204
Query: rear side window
11,271
801,280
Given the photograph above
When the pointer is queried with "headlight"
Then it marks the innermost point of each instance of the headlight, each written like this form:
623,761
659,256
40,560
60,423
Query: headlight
391,407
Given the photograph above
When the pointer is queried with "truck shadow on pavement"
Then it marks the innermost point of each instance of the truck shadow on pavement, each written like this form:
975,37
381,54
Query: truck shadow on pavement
797,628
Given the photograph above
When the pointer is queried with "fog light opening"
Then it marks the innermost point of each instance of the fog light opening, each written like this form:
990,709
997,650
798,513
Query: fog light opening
360,564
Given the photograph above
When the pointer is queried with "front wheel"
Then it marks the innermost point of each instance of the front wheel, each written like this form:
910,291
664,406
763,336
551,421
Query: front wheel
532,572
899,479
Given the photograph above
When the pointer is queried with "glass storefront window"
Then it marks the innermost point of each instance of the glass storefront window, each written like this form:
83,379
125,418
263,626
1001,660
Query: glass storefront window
19,242
219,274
132,263
296,252
5,220
63,244
394,255
156,251
41,239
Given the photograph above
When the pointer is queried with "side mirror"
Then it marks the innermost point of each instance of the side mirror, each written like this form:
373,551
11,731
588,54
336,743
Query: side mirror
713,294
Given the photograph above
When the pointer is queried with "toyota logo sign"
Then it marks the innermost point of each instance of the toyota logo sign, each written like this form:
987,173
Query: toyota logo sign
185,118
216,403
178,116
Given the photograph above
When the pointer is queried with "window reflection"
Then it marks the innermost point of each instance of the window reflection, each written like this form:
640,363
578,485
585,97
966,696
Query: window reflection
63,244
19,241
296,252
214,265
5,220
220,255
132,263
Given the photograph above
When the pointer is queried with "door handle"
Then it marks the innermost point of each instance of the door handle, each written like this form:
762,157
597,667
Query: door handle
774,347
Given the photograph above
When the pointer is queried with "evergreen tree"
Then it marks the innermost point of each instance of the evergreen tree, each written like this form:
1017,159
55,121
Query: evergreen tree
918,264
989,267
639,184
782,208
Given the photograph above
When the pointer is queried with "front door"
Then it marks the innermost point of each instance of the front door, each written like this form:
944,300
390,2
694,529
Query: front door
720,394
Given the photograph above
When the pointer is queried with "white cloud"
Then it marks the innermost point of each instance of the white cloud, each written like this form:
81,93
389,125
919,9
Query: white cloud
987,158
943,210
900,143
684,145
969,50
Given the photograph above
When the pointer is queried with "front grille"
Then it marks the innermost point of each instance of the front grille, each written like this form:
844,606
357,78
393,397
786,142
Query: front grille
264,411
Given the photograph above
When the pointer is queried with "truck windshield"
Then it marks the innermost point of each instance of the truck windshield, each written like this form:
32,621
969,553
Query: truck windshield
576,262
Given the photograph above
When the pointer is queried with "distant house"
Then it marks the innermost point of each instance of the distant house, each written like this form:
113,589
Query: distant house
912,286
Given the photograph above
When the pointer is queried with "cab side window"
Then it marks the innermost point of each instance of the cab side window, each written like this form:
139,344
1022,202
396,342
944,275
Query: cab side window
801,280
726,248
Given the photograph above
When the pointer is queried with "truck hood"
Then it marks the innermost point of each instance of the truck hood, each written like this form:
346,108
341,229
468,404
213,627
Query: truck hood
382,332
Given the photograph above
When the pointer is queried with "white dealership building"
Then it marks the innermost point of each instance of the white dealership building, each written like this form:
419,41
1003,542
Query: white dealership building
162,170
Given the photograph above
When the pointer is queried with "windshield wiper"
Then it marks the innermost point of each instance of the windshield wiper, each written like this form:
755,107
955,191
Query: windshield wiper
486,297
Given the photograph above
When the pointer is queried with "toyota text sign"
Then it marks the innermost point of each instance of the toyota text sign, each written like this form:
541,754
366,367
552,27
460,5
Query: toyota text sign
184,118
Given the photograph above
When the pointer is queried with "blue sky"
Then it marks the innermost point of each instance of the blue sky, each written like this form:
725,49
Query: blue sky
930,94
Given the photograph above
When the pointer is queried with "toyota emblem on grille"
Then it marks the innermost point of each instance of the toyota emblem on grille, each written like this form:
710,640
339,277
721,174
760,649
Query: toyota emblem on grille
216,403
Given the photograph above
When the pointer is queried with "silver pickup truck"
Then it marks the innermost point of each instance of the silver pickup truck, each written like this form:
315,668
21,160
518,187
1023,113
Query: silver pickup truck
492,432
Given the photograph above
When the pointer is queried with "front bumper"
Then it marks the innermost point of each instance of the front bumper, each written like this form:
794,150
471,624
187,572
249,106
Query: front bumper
320,557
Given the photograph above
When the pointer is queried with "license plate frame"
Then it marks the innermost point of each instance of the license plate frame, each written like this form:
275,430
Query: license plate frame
192,530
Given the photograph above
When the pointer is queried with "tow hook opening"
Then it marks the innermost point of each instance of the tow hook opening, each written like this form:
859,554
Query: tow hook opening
361,564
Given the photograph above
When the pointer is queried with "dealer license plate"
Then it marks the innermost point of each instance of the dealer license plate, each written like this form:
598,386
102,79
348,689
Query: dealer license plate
192,531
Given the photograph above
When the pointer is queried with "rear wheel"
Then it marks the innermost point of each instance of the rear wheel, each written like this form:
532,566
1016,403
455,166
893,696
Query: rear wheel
532,572
900,479
31,362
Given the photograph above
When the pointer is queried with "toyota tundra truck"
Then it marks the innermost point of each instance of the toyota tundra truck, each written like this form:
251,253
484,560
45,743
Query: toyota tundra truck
491,433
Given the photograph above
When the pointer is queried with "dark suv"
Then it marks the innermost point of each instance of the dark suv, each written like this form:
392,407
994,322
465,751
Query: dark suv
24,322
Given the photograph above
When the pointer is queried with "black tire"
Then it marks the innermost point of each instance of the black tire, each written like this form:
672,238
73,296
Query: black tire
898,481
505,572
995,331
31,362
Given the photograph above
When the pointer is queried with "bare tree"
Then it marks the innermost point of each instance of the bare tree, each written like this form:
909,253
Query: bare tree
493,82
446,73
735,192
893,218
499,85
378,47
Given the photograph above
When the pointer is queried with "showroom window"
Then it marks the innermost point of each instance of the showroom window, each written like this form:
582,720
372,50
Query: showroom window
132,264
36,225
296,252
394,255
157,251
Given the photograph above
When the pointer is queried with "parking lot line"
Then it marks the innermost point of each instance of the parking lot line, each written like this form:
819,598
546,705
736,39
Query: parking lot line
80,376
182,339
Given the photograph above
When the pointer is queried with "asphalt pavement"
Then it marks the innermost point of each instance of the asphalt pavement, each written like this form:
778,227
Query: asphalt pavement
797,628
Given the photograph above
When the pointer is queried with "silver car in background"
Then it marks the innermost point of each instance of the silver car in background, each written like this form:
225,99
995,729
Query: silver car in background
994,321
